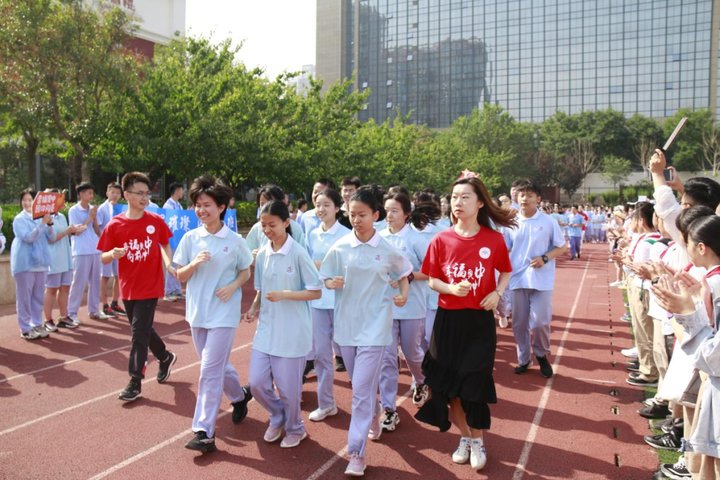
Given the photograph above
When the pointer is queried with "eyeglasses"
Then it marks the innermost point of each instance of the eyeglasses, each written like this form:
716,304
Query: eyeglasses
140,194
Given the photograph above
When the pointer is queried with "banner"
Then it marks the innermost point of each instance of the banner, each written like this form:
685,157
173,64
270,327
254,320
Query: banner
181,221
47,202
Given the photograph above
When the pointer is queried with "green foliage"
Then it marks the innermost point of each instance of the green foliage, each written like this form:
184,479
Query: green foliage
9,211
687,152
246,213
616,169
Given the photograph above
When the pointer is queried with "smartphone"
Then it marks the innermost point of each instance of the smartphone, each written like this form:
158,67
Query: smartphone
669,174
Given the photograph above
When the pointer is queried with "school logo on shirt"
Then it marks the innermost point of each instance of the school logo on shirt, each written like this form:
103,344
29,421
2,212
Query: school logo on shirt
484,253
378,258
225,249
150,229
290,270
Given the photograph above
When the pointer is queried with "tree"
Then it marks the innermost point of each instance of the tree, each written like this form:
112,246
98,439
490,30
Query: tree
616,169
646,137
577,164
688,152
711,150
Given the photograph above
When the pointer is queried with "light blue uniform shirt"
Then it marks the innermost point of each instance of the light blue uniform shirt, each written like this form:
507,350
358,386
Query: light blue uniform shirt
576,219
431,229
413,247
284,328
363,307
533,237
309,221
443,223
172,204
61,257
229,254
104,214
29,251
319,242
84,243
256,239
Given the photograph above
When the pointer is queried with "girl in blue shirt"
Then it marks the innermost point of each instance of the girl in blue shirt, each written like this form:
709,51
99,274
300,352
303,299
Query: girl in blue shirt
408,320
360,268
319,241
286,281
215,263
29,264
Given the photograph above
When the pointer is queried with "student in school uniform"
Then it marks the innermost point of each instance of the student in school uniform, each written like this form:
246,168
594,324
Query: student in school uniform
139,239
86,257
458,367
29,263
534,245
255,237
575,224
348,186
173,288
320,240
215,263
57,285
286,280
408,320
109,272
309,219
360,267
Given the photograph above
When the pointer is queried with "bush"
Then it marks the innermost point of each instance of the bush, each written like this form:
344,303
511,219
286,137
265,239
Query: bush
8,214
246,214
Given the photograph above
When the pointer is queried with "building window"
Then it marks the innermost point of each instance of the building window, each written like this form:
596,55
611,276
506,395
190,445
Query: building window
388,83
388,105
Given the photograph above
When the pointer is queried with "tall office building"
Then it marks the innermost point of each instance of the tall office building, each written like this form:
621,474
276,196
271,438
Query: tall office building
439,59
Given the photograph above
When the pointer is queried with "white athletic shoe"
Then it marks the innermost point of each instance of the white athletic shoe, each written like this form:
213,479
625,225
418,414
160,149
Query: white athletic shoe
503,322
630,352
322,413
478,456
462,453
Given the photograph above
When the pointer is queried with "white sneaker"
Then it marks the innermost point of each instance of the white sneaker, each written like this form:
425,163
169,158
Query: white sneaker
292,440
616,283
376,426
42,333
478,456
503,322
273,434
99,316
321,414
462,454
630,352
390,421
356,466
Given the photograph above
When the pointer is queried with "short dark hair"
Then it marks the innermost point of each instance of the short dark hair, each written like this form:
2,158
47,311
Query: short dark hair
175,185
213,188
131,178
706,230
326,181
278,209
644,211
271,192
114,185
351,180
84,186
372,196
704,191
688,216
527,185
27,191
301,203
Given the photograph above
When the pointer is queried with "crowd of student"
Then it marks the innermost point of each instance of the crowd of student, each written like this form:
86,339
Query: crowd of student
368,274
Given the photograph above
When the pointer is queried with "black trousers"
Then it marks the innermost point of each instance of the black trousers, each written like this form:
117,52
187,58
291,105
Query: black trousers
141,314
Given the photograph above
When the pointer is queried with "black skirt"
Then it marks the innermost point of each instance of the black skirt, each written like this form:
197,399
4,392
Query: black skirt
459,364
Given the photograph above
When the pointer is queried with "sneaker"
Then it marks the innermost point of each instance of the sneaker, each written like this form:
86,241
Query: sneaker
240,409
630,352
678,470
503,322
50,326
664,424
633,366
522,368
30,335
462,453
293,439
309,368
391,420
132,392
656,410
68,322
117,309
421,395
641,382
616,283
376,427
201,443
166,367
99,316
545,367
663,441
478,456
626,318
356,465
42,333
340,364
273,434
321,414
178,295
169,298
108,311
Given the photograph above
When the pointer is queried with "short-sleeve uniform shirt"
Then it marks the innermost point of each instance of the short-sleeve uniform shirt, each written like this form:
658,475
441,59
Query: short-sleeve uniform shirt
413,246
318,244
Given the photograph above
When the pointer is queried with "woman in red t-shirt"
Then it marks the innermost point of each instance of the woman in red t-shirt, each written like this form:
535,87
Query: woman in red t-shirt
458,366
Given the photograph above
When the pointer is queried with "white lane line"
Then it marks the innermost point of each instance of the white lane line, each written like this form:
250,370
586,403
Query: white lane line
341,453
96,399
80,359
607,382
530,439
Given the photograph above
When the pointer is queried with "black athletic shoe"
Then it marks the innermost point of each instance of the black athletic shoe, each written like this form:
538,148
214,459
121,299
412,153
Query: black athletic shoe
545,367
339,364
663,441
240,409
132,392
166,367
633,366
201,443
677,470
655,410
522,368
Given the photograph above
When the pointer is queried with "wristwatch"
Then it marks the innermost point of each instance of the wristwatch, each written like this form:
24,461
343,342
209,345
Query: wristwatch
545,258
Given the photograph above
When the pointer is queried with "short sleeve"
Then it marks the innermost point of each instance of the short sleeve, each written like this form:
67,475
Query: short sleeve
257,276
501,259
399,266
432,264
332,264
253,242
183,251
73,216
244,257
558,239
421,248
297,233
164,232
105,242
308,273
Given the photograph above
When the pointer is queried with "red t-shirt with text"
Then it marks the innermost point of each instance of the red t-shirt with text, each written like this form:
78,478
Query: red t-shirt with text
453,258
140,271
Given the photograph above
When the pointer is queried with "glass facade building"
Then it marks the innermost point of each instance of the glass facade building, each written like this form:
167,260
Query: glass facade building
439,59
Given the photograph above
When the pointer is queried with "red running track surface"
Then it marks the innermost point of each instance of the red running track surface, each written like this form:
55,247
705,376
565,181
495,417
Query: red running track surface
60,418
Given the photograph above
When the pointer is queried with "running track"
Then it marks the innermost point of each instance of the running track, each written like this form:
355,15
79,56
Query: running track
59,416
